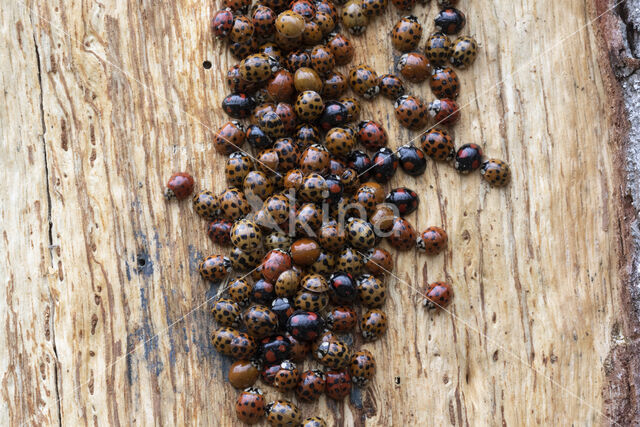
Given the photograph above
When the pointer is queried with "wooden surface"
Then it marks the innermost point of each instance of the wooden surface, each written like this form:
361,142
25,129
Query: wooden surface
101,101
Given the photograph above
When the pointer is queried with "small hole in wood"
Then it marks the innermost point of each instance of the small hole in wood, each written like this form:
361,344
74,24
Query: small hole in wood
206,65
141,261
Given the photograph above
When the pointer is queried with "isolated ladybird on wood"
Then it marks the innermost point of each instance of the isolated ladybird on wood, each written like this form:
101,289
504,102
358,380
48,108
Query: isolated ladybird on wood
180,186
468,158
432,240
373,324
438,295
496,172
362,367
403,235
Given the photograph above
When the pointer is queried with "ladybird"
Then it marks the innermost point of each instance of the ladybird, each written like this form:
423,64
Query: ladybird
323,265
281,86
260,321
496,172
277,240
362,367
343,288
350,180
278,207
364,81
322,59
299,349
246,235
372,135
450,20
406,33
336,166
273,50
288,116
288,153
310,301
361,163
376,189
236,83
414,67
239,291
263,292
391,86
445,111
382,217
218,231
411,112
308,219
240,50
432,240
229,137
404,4
372,292
334,115
341,47
287,283
444,83
412,160
373,324
374,7
243,373
206,204
334,187
349,261
311,385
263,20
283,308
250,406
260,110
341,319
293,179
305,251
468,158
283,413
403,235
226,312
378,262
307,134
242,30
438,49
313,422
360,234
333,354
339,141
257,137
272,125
233,204
331,237
338,384
313,188
215,267
327,7
257,68
238,105
308,106
240,6
290,24
305,325
304,8
447,3
438,144
306,78
385,163
334,85
179,187
275,349
231,342
438,295
353,107
312,33
245,261
287,377
222,23
353,17
268,373
274,263
464,52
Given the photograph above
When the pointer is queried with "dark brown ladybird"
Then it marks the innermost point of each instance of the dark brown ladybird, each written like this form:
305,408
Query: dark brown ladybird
304,8
256,183
257,68
215,267
298,59
353,107
323,265
403,235
438,144
238,105
222,23
305,325
288,283
391,86
281,86
496,172
404,199
414,67
411,112
374,7
243,374
354,18
239,290
307,79
240,50
464,52
432,240
406,34
341,47
260,110
444,83
385,164
179,186
333,115
283,413
334,354
311,385
438,49
218,231
287,377
308,106
373,324
412,160
342,319
242,30
372,292
364,81
307,134
338,384
299,349
349,261
206,204
229,137
231,342
274,263
274,349
245,261
312,33
305,251
238,165
322,59
237,83
311,301
468,158
250,406
438,295
263,20
290,24
378,262
313,189
226,312
362,367
336,166
450,20
233,204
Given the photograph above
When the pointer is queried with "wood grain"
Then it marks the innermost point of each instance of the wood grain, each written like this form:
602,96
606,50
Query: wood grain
105,315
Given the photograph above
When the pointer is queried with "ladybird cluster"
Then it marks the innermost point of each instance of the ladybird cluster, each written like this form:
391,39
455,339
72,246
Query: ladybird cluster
305,214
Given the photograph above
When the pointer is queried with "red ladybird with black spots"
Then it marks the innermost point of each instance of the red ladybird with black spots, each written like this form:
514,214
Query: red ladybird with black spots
250,406
305,325
438,144
468,158
372,135
338,384
444,111
274,263
432,240
311,385
403,235
438,295
342,319
218,230
222,23
180,186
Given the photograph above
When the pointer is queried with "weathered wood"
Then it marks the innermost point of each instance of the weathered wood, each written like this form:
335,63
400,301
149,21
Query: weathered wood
102,101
